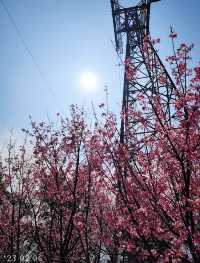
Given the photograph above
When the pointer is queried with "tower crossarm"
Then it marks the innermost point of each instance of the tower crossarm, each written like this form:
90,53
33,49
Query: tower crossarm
123,19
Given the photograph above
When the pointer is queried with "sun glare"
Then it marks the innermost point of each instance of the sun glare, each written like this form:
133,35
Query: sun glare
88,81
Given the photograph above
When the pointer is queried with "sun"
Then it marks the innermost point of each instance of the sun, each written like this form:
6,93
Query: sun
89,81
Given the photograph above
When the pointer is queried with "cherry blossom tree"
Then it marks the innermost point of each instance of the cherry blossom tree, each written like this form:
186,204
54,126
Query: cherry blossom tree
77,193
157,187
15,217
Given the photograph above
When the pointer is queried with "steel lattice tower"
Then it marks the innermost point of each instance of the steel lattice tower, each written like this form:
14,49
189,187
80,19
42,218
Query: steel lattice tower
131,29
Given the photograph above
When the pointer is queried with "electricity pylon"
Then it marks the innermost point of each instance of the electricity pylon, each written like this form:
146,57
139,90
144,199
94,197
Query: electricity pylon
145,74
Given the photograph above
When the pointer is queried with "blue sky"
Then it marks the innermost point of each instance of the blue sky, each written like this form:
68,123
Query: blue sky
67,38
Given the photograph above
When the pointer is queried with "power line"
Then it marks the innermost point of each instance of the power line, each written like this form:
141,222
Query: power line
27,48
